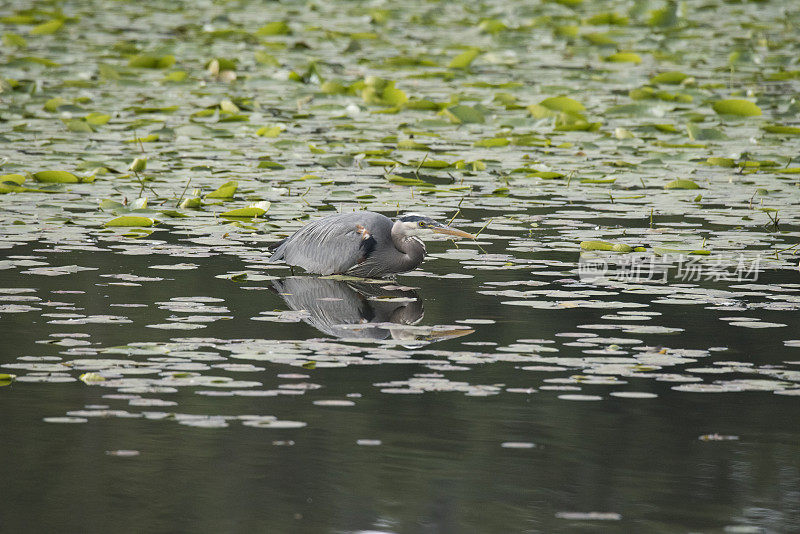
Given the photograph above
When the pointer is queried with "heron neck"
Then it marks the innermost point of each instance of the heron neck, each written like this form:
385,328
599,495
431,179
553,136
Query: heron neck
413,249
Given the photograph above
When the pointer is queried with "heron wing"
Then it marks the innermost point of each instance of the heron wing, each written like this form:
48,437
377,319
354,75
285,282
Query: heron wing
334,244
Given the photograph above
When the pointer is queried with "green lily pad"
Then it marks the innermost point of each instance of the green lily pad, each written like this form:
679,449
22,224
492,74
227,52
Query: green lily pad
17,179
61,177
151,62
381,92
431,164
226,190
721,162
269,131
546,175
670,78
681,184
742,108
492,142
781,129
662,251
465,114
267,164
464,59
48,28
249,212
13,40
277,27
624,57
563,104
97,119
410,144
403,180
697,133
130,220
77,125
605,245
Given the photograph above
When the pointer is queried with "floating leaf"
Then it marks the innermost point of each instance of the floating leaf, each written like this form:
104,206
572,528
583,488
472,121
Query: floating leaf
382,92
77,125
226,190
250,212
410,144
546,175
464,59
13,40
47,28
465,114
608,19
422,105
662,251
721,162
130,220
492,26
270,131
605,245
671,78
563,104
151,62
681,184
624,57
12,178
53,104
492,142
265,59
267,164
404,180
697,133
88,378
742,108
274,28
146,139
60,177
97,119
40,61
781,129
175,77
431,164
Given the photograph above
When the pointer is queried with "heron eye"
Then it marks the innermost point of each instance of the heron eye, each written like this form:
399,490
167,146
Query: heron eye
422,224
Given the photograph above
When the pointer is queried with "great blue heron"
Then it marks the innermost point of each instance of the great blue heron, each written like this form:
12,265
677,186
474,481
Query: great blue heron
363,243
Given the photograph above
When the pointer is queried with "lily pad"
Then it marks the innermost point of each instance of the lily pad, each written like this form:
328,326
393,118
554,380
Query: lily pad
61,177
742,108
225,191
130,220
256,210
464,59
682,184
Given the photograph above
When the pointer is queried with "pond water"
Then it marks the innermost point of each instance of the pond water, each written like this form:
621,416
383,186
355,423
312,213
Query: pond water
617,351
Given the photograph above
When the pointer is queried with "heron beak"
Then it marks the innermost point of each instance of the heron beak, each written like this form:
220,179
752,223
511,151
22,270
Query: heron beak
452,231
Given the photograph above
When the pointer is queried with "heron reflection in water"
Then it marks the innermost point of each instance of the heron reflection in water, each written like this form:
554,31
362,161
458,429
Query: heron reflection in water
357,310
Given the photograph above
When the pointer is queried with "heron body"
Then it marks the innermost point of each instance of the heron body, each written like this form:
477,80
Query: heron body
363,243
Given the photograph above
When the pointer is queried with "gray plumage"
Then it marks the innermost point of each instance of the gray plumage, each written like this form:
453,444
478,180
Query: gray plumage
362,243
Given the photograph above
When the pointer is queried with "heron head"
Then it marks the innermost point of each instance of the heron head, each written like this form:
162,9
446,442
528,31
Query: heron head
420,226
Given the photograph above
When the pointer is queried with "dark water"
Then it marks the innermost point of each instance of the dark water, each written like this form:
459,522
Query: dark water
440,464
